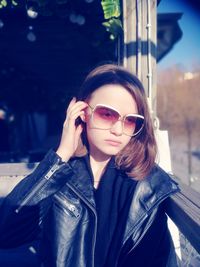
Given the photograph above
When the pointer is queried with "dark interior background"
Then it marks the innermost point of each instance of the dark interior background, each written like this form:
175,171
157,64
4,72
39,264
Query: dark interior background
43,61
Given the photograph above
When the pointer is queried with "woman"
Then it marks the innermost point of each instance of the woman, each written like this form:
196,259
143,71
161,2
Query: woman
99,199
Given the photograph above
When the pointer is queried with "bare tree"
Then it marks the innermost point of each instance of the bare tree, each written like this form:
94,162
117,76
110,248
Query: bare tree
178,106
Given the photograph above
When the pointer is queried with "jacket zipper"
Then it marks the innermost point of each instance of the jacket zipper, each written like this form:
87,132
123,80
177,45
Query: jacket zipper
40,185
139,240
95,215
66,203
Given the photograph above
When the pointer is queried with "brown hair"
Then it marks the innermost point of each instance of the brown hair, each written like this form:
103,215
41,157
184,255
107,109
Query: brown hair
138,157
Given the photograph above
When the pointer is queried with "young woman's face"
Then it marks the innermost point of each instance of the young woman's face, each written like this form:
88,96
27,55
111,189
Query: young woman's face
104,143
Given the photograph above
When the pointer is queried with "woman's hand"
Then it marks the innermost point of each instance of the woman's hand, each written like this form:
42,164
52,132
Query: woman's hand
71,133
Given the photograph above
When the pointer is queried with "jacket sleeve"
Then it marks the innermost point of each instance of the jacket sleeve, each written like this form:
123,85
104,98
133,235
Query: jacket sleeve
156,246
23,210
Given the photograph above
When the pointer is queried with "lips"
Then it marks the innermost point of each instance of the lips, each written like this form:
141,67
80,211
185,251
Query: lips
113,142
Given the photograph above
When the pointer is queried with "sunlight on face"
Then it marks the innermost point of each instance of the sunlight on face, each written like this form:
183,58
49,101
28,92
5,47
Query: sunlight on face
106,143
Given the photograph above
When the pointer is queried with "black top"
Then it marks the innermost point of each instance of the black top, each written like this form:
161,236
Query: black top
113,198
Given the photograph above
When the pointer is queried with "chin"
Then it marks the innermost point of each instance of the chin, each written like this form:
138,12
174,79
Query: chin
111,151
105,150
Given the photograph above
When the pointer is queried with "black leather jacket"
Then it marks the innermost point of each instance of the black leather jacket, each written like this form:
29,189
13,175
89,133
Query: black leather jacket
56,204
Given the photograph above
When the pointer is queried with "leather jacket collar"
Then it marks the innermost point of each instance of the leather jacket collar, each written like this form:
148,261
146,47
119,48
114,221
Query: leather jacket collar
149,192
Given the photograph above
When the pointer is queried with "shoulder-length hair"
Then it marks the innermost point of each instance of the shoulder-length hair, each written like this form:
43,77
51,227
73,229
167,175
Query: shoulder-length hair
138,157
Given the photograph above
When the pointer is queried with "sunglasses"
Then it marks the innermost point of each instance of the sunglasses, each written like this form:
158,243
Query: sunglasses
104,117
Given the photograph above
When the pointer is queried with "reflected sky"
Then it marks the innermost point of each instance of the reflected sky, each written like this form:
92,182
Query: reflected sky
186,52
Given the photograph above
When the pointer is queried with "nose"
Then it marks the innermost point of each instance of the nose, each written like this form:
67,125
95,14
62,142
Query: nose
117,128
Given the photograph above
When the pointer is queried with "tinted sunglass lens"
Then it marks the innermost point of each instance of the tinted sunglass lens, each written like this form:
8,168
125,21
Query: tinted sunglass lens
104,117
139,124
133,125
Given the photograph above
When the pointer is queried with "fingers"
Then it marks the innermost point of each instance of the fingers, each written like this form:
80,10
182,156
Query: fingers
74,110
71,132
75,107
71,119
72,102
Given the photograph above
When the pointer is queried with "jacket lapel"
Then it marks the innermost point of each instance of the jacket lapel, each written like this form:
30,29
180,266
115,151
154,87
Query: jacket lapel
82,179
149,193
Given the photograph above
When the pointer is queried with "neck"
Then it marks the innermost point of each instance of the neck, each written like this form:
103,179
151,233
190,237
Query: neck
97,162
98,165
97,157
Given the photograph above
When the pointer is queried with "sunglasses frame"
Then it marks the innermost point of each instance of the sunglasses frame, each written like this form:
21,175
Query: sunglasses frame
121,118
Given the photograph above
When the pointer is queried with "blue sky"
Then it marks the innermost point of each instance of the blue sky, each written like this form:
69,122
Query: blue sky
186,52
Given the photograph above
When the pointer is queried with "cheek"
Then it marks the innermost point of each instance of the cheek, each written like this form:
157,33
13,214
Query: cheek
93,133
96,136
